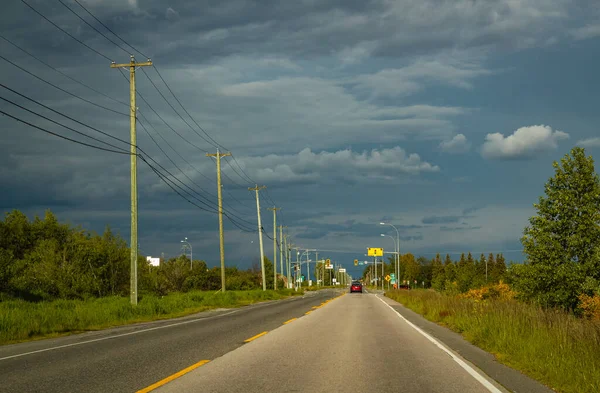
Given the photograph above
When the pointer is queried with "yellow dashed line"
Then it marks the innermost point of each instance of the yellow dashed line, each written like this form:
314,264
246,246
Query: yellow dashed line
172,377
289,320
255,337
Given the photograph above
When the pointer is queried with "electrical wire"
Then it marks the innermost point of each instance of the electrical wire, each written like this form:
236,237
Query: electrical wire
64,74
98,31
107,28
66,32
61,136
61,89
172,107
62,125
158,73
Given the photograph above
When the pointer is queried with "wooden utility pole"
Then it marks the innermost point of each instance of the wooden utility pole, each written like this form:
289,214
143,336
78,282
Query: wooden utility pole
220,198
281,249
274,209
133,245
260,241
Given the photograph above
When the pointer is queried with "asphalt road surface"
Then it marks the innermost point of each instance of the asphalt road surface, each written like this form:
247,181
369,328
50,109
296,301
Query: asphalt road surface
130,358
354,342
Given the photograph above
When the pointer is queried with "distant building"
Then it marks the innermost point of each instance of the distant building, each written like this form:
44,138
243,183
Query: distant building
153,261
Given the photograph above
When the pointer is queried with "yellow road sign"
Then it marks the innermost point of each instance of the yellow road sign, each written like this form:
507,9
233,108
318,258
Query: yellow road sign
388,278
356,262
375,252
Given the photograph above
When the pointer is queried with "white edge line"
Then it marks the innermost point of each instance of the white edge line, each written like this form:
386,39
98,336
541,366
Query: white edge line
141,331
138,331
115,336
460,362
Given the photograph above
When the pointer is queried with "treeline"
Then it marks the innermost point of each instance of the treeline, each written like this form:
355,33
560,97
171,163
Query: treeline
447,275
43,259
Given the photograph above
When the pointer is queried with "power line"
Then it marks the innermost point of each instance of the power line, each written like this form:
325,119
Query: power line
62,136
62,114
66,32
172,107
98,31
62,125
158,72
107,28
61,89
64,74
185,110
214,142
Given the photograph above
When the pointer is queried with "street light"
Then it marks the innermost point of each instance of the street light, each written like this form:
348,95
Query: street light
395,246
191,251
397,251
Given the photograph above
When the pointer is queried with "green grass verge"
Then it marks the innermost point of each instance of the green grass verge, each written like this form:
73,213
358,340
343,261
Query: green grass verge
551,346
25,321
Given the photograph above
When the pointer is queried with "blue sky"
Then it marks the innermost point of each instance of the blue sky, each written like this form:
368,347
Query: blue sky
440,117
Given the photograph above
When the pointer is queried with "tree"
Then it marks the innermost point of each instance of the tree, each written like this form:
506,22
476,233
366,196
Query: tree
438,277
561,241
499,269
480,269
449,270
466,272
491,268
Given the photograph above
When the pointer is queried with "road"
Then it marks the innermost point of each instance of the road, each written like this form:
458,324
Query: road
358,342
130,358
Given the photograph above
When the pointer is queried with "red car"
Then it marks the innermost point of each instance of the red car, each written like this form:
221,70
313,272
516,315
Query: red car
356,287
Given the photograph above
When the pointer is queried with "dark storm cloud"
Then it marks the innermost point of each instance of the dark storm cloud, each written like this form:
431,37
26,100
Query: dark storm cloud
271,76
463,228
441,219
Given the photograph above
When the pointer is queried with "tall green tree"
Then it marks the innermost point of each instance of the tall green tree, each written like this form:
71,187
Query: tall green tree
449,270
561,241
438,276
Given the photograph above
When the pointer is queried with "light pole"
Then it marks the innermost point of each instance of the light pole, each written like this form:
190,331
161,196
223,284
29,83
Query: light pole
397,252
191,251
395,245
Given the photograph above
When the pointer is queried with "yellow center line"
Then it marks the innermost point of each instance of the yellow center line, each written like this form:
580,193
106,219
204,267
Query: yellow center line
255,337
172,377
289,320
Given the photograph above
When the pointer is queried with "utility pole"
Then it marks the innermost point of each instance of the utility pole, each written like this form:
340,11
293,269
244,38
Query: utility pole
281,249
317,267
287,259
220,198
134,199
274,209
262,254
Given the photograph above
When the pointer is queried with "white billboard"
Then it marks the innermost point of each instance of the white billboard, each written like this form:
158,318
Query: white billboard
342,270
153,261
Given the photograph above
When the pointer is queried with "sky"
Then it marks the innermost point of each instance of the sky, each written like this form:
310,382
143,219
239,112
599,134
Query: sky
442,118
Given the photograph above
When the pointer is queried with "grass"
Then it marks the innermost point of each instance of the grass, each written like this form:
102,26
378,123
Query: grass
25,321
554,347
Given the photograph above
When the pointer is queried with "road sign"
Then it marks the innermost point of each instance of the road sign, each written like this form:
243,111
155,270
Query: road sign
356,262
393,275
342,270
375,252
388,278
361,263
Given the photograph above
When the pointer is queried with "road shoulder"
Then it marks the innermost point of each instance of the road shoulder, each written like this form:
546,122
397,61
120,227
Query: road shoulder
509,378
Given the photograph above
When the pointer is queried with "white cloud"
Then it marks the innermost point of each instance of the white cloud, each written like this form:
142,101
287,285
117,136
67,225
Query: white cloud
307,165
585,32
458,144
413,78
523,143
589,142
